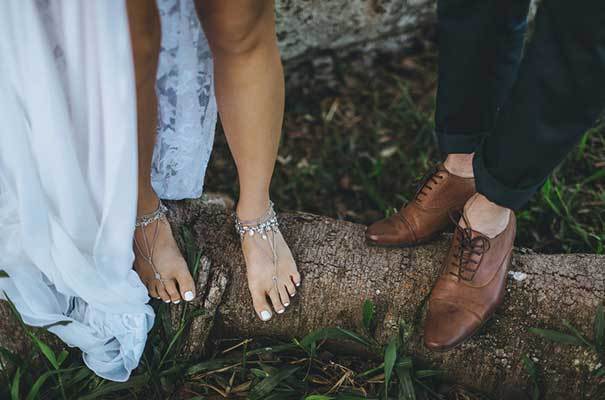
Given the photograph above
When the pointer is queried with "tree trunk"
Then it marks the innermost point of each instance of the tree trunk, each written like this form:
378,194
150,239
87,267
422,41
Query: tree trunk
308,27
340,271
305,27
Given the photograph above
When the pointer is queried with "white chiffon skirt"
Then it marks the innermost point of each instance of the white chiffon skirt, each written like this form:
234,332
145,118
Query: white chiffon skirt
68,164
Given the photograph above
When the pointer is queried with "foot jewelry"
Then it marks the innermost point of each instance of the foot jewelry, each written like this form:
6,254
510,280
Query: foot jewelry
147,248
266,227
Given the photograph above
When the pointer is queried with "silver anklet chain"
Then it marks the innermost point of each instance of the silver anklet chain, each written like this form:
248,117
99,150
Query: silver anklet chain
147,248
261,226
147,219
266,226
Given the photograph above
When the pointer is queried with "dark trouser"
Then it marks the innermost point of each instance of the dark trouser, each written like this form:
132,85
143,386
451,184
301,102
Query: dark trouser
520,117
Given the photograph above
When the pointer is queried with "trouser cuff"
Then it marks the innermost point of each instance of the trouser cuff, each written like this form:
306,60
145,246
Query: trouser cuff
496,191
459,143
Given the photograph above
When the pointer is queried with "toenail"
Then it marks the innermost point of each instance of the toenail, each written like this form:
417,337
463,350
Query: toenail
373,237
176,301
166,301
286,304
188,295
292,294
297,284
281,311
265,315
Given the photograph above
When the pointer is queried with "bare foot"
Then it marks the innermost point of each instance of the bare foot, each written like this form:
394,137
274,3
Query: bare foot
159,262
271,269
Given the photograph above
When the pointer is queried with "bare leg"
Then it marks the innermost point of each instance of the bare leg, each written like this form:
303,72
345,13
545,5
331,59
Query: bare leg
176,281
250,97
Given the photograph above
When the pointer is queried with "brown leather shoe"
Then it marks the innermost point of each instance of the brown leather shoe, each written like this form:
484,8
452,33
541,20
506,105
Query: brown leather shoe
427,215
470,287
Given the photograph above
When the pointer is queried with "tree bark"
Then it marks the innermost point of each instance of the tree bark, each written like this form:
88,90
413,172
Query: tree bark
306,27
311,27
340,272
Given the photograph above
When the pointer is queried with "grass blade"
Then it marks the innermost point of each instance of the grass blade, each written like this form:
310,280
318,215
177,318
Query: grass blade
532,370
112,387
406,386
599,330
15,385
557,337
368,314
577,334
390,356
46,350
35,389
262,389
331,333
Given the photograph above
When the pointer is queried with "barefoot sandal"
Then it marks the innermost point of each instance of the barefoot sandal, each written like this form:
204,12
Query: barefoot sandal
266,226
146,251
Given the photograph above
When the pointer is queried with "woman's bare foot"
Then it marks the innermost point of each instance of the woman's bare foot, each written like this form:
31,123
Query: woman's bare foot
271,269
158,260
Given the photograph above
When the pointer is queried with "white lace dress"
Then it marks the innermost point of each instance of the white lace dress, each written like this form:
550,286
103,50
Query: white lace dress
68,175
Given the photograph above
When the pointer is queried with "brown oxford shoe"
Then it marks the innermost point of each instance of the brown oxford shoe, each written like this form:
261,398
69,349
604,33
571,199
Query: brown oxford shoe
427,215
471,286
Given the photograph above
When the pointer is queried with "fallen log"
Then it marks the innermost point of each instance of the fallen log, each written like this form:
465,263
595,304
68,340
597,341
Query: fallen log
340,272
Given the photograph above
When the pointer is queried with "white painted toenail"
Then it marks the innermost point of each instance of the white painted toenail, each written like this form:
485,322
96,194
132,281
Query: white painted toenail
188,295
265,315
286,304
281,311
292,294
297,284
176,302
166,301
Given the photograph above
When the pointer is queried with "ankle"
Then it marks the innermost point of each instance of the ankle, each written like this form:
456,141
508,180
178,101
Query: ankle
486,216
250,209
147,202
460,164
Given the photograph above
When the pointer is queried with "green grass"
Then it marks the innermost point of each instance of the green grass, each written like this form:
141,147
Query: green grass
330,363
355,151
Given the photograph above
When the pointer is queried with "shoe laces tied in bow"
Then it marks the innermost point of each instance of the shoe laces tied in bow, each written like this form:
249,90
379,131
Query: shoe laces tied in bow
467,247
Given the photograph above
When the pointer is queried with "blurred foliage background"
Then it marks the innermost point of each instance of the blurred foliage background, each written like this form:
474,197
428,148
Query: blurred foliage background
359,134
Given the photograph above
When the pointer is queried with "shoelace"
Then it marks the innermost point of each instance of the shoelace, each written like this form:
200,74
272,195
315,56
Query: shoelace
424,184
467,247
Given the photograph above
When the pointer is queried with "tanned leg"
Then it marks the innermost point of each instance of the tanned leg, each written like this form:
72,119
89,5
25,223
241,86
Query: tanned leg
176,283
250,96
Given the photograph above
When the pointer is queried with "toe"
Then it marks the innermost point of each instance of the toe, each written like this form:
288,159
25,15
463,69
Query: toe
284,296
186,286
447,324
295,277
162,292
263,309
276,301
170,286
152,289
290,287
